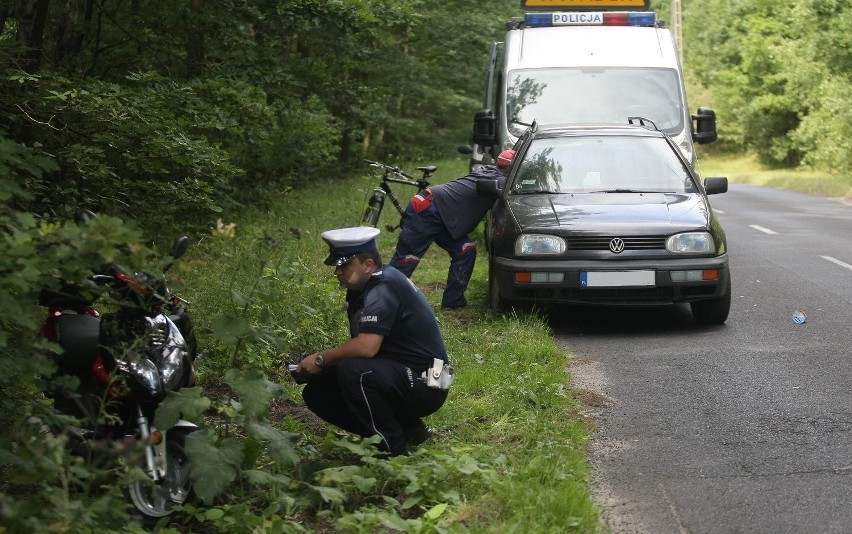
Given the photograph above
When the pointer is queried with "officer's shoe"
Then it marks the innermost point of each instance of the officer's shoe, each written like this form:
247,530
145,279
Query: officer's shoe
418,433
455,305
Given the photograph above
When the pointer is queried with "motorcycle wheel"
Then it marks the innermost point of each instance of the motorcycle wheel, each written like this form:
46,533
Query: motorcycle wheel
154,501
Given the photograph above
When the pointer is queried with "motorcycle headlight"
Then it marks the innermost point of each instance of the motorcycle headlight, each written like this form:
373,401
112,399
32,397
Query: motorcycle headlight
144,378
691,243
538,244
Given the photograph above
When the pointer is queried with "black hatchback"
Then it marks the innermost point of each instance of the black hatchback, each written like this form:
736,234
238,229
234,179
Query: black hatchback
609,215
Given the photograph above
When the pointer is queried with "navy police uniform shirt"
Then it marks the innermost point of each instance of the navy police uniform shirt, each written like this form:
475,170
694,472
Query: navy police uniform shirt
460,206
392,306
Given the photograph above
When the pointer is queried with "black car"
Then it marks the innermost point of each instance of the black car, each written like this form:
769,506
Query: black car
609,215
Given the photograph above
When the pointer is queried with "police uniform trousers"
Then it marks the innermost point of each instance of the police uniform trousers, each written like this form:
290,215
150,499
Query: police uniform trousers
373,396
418,233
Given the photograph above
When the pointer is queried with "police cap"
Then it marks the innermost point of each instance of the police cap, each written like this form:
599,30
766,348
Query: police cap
344,243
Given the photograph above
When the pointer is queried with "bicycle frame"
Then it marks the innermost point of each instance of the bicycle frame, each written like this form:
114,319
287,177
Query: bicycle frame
377,200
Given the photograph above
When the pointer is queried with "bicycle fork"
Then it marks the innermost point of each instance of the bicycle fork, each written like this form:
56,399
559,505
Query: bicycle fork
374,207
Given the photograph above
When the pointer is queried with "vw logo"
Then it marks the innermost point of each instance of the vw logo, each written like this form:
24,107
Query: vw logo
616,245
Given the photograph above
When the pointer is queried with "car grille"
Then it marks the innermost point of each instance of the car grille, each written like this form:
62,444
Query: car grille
650,295
602,242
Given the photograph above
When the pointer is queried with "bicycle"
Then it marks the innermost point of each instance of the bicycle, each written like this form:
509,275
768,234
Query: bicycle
377,200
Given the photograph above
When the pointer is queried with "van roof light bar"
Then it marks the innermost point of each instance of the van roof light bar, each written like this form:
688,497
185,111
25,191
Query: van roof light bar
591,18
585,5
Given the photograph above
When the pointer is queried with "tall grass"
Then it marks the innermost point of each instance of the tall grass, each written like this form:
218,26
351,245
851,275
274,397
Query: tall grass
511,406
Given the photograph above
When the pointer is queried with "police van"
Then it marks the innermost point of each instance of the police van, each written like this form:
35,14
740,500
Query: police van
585,62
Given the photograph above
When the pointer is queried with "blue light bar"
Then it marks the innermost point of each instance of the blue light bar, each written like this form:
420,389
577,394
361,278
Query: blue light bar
591,18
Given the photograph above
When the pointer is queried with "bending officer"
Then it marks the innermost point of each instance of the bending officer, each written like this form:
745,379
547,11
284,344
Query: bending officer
446,214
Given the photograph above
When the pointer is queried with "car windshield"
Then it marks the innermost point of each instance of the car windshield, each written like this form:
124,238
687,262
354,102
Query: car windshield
594,96
601,163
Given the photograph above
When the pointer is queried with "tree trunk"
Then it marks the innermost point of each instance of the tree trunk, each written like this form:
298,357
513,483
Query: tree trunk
72,32
194,43
31,33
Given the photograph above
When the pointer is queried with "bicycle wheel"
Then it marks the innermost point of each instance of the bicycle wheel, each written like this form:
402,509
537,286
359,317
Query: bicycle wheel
374,210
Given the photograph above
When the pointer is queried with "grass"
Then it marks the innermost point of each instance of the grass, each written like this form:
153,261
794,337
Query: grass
511,406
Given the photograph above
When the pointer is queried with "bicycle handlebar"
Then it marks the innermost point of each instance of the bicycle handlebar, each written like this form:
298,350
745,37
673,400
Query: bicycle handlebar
395,170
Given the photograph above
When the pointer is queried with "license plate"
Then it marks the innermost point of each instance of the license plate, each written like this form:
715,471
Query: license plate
616,278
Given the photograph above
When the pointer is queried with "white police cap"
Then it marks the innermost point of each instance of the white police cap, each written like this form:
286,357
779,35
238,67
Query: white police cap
344,243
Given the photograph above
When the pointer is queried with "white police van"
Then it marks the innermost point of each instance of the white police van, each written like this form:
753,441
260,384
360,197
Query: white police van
585,62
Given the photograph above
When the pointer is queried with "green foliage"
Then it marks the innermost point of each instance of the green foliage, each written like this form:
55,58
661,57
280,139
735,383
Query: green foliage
242,457
126,149
44,487
781,76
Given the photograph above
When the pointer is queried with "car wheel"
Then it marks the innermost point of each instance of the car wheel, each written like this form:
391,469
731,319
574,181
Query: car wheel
497,303
713,311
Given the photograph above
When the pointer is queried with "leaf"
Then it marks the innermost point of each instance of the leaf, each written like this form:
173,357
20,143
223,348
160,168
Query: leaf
240,299
229,329
213,514
213,464
187,402
256,477
395,522
436,511
278,442
330,495
412,501
254,389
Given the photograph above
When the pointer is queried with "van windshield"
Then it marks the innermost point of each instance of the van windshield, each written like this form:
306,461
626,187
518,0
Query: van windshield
594,96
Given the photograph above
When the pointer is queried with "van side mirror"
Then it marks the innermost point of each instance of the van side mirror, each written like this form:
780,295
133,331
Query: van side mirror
705,126
484,128
487,187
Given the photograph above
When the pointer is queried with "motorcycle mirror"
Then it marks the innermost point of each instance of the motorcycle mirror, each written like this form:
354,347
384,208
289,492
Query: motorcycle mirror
179,247
84,216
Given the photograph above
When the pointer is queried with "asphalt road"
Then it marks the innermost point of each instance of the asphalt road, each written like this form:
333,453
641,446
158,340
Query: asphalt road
745,427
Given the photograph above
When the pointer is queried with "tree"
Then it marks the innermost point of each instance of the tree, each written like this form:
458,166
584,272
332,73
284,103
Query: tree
777,71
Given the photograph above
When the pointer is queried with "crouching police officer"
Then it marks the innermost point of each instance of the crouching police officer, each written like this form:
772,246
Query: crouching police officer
376,382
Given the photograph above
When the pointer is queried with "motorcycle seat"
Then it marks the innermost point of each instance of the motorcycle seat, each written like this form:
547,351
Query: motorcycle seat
78,336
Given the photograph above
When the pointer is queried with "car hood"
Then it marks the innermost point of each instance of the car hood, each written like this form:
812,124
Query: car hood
659,213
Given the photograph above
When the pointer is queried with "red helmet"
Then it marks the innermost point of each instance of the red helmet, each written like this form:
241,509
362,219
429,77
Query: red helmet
506,158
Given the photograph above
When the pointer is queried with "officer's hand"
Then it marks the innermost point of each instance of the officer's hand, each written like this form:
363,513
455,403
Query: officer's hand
309,365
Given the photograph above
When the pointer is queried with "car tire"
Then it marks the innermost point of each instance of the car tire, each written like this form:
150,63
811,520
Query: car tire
497,303
713,311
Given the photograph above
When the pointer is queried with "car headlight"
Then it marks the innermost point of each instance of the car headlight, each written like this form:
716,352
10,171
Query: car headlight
691,243
538,244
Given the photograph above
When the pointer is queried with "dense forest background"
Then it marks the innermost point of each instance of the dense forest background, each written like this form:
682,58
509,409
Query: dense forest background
215,101
172,114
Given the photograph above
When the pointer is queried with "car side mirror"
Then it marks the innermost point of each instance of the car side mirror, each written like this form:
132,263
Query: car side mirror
705,126
488,187
484,128
716,184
